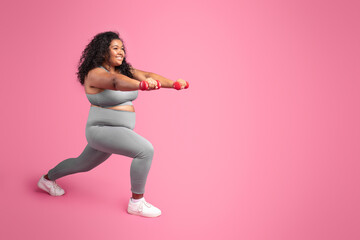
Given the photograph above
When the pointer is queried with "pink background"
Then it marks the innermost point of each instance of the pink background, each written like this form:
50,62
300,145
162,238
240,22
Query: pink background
263,145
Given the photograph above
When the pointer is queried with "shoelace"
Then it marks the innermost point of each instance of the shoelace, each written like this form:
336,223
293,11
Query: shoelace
140,209
147,204
54,186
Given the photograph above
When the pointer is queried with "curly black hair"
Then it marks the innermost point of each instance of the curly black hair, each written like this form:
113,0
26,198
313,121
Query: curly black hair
97,52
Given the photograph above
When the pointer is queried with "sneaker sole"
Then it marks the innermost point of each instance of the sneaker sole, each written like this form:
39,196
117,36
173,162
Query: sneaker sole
142,215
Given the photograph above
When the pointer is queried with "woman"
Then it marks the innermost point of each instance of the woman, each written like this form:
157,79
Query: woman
111,85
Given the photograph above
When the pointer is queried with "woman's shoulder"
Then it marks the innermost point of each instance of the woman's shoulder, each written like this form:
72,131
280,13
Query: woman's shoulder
89,89
95,71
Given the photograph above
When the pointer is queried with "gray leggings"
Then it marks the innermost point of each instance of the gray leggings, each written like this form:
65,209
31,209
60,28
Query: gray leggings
110,131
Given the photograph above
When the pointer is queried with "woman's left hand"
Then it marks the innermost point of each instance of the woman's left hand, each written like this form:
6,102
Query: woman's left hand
152,83
182,83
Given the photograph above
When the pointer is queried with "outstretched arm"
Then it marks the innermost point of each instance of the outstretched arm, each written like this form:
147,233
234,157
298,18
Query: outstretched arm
99,78
165,82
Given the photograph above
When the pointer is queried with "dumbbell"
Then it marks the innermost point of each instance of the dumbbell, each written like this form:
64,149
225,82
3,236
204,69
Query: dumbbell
177,85
144,85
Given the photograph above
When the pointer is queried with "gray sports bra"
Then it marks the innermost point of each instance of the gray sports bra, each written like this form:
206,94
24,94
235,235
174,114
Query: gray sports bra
110,98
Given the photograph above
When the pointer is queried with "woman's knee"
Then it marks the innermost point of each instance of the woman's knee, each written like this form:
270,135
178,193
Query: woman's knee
147,151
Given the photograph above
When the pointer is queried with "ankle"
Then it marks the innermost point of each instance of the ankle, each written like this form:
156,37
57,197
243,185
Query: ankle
137,196
47,177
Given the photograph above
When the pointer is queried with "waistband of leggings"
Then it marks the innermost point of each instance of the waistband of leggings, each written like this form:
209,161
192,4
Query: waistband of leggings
103,108
110,117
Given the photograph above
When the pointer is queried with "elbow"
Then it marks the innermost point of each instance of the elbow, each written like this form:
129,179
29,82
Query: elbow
114,83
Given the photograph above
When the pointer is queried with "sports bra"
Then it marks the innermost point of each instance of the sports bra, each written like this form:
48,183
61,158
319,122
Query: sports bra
111,98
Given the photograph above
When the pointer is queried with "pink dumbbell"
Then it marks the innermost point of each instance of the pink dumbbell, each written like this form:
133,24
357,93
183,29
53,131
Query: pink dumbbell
177,85
144,85
158,84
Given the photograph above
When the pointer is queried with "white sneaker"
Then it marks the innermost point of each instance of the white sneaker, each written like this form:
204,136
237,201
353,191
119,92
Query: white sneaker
50,186
143,208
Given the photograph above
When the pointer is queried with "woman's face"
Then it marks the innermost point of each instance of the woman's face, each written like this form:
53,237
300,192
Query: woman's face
117,53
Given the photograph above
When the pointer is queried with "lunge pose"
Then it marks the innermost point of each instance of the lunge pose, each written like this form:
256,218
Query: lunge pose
111,84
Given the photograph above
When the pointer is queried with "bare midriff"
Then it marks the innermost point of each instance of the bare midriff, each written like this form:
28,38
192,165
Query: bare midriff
129,108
